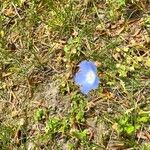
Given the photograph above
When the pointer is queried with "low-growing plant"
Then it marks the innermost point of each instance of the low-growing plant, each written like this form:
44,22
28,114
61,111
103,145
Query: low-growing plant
77,111
128,124
113,7
56,126
39,114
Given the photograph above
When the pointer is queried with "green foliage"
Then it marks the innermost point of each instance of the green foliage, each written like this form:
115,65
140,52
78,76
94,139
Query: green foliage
146,22
113,7
118,3
53,125
81,135
19,2
40,39
77,111
145,146
73,48
73,45
128,124
56,126
5,136
63,16
39,114
130,63
121,3
71,146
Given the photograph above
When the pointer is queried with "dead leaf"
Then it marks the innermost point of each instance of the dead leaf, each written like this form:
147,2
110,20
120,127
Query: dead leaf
9,12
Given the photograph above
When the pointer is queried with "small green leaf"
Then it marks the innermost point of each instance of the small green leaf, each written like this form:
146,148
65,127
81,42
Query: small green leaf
123,121
80,116
148,62
143,119
82,135
129,129
39,114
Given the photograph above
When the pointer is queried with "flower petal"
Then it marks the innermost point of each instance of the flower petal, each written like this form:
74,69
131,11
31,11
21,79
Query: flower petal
88,65
79,77
90,77
85,89
87,77
96,83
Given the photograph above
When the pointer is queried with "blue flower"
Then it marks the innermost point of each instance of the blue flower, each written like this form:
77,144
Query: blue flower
87,77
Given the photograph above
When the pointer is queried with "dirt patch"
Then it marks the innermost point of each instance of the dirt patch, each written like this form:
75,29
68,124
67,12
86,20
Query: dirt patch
48,96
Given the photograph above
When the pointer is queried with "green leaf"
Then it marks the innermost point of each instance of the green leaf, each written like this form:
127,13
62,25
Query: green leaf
143,119
129,129
39,114
82,135
148,62
124,120
80,116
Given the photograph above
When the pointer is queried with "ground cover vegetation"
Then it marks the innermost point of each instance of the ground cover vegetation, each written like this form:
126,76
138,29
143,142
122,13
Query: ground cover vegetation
41,44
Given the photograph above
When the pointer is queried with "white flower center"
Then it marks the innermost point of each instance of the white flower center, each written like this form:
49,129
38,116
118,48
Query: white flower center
90,77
